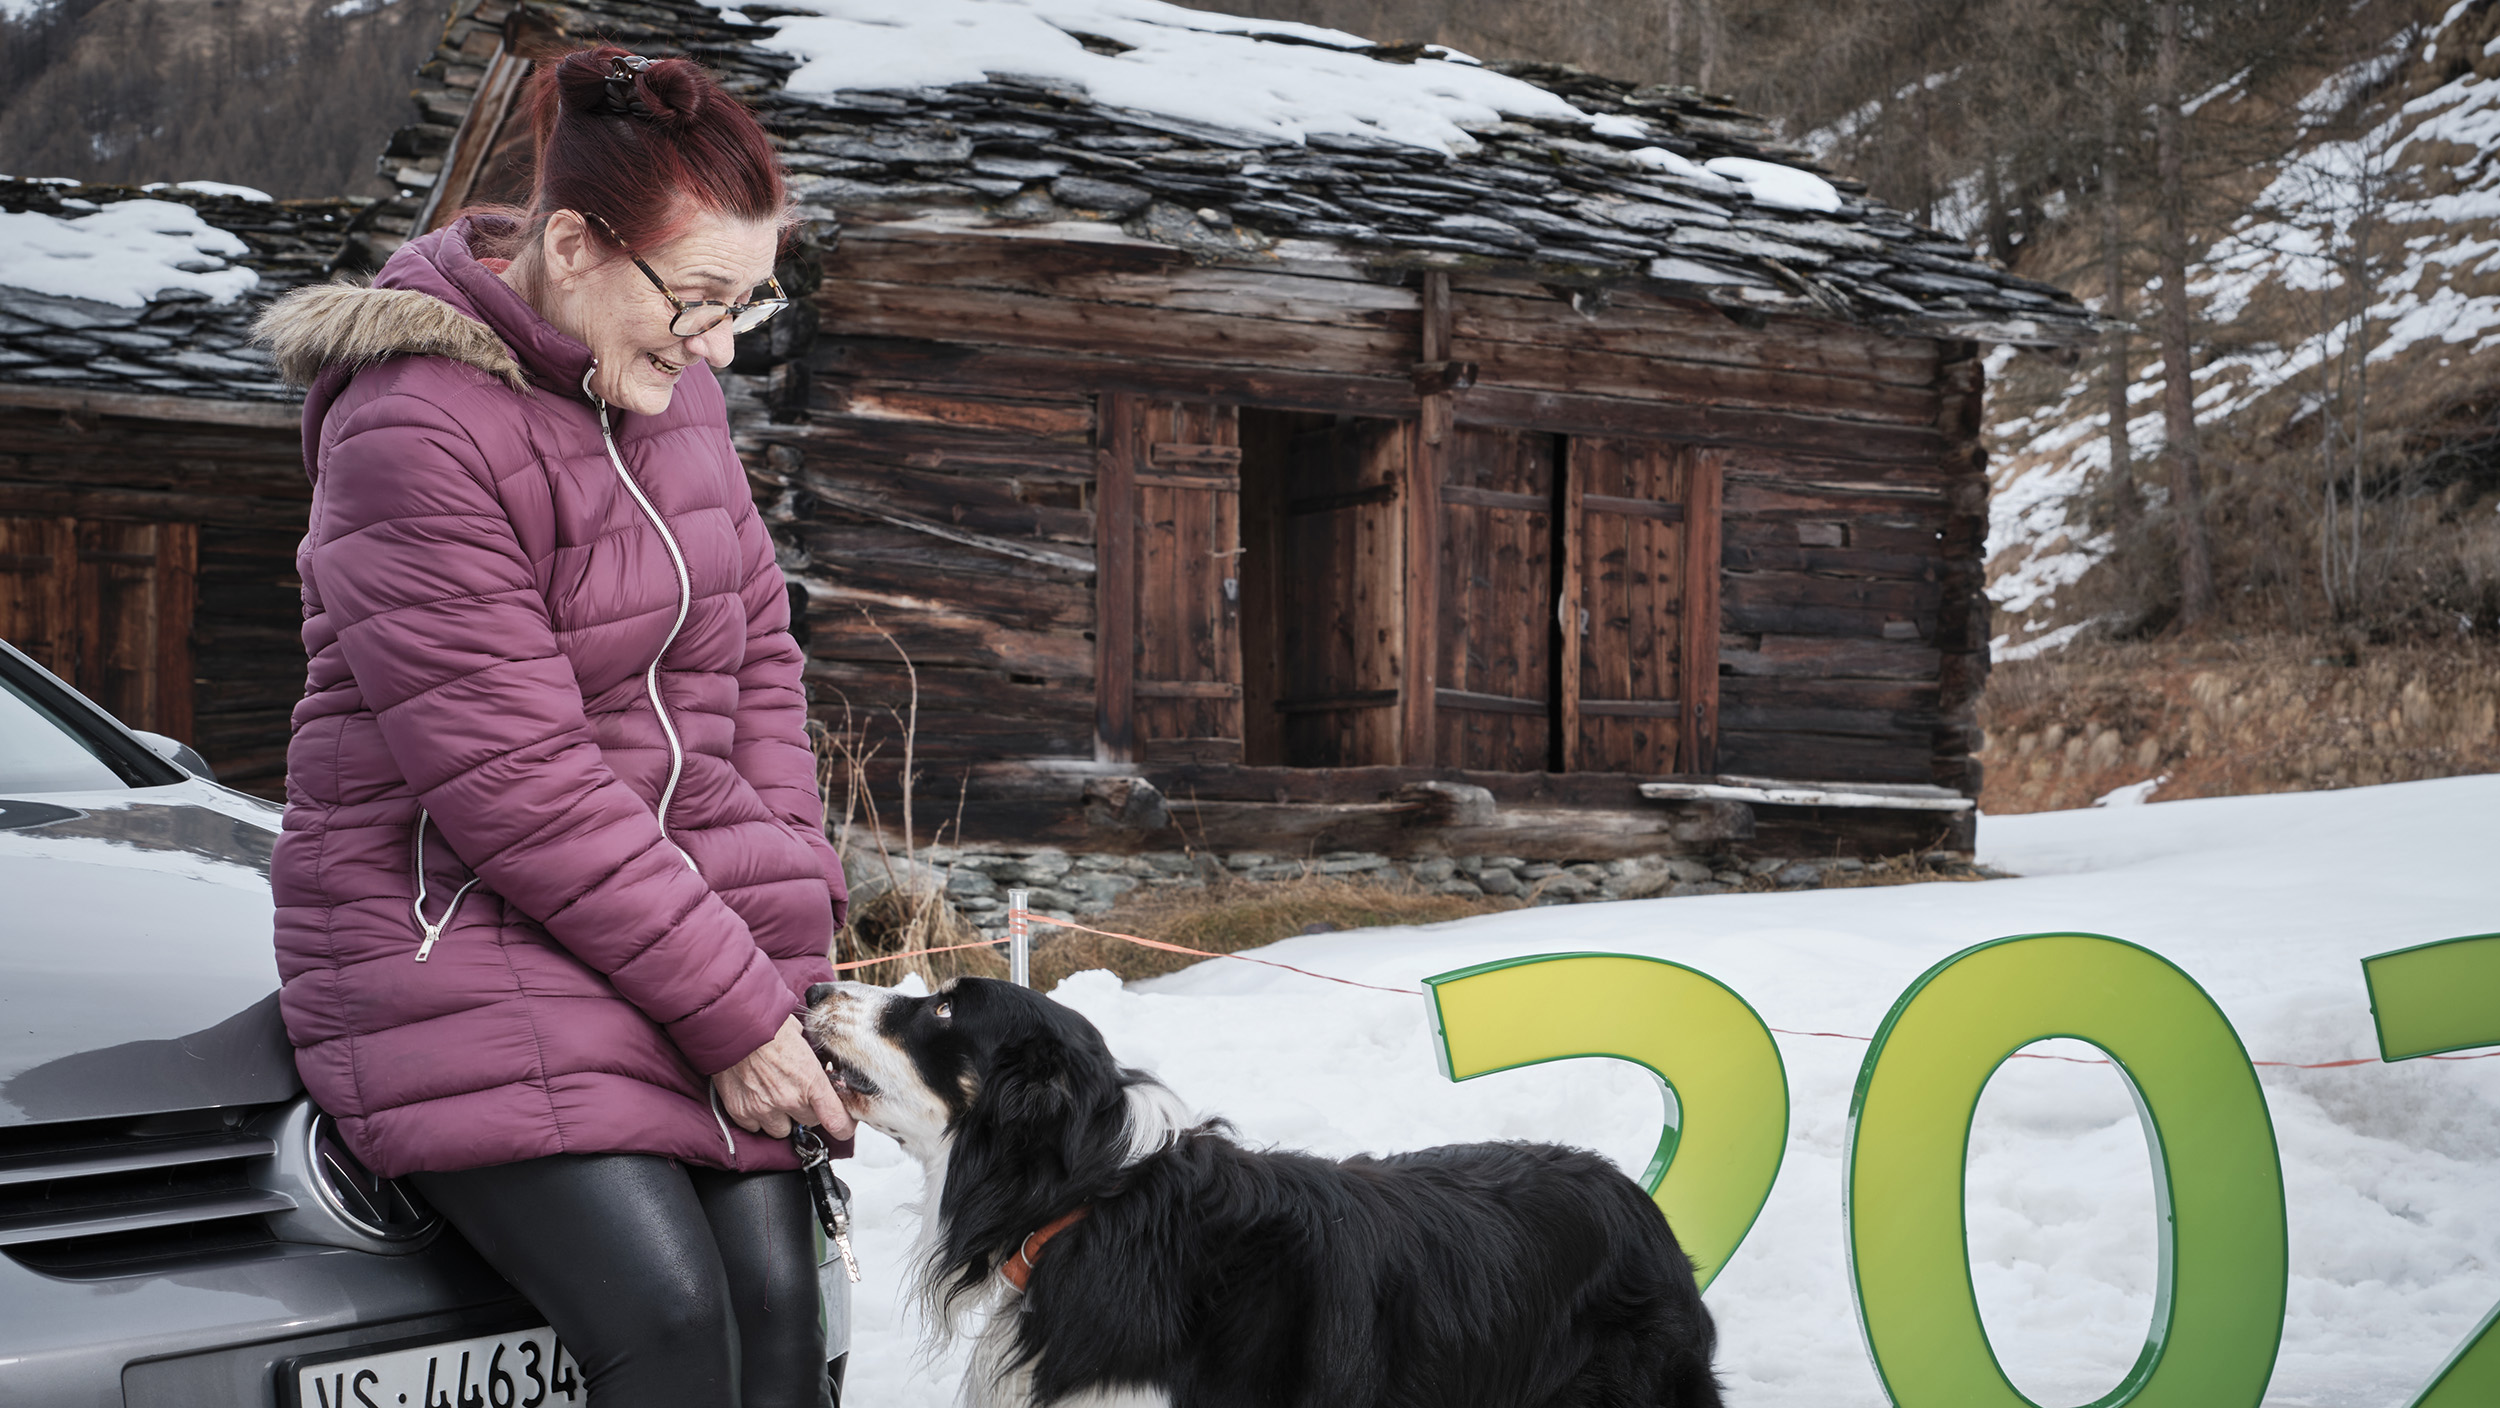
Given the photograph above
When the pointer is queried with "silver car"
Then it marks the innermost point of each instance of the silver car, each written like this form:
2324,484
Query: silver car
178,1224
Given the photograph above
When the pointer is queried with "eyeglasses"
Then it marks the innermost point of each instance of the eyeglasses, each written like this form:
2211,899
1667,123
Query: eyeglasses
695,317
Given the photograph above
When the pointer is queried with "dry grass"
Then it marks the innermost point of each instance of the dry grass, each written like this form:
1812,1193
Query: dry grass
1228,917
902,920
2276,714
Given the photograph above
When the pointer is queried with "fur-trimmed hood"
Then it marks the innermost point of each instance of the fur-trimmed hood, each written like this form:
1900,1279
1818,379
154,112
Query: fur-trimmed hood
433,298
354,326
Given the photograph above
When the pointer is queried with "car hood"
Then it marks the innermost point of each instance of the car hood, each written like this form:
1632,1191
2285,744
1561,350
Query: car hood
137,970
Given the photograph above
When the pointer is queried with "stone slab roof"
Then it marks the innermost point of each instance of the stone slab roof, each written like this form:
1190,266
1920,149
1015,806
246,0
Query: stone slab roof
182,342
1562,201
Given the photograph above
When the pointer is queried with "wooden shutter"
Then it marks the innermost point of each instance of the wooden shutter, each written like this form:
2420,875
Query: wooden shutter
1494,708
1174,484
107,607
1341,625
1639,608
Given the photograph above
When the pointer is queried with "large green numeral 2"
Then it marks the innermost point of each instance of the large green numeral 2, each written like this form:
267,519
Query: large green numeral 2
2218,1309
1715,1058
2426,1000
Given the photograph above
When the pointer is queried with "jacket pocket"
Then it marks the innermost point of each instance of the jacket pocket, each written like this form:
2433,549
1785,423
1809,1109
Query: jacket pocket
430,930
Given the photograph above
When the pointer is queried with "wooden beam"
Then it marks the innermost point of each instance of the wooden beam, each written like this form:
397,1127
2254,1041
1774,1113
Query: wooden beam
273,415
1765,792
1116,439
475,142
1567,594
1428,462
1697,747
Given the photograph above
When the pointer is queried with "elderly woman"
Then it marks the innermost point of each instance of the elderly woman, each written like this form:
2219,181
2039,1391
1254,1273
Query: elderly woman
554,873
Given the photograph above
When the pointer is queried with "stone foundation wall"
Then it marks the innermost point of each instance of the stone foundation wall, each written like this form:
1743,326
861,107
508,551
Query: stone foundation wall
1078,885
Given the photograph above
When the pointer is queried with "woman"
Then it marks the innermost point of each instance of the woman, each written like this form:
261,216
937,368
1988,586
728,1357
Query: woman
554,871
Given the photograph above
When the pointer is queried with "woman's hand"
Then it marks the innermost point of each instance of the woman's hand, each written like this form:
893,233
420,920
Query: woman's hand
781,1081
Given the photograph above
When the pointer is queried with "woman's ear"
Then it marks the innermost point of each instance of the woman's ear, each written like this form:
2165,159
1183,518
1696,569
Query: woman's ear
565,246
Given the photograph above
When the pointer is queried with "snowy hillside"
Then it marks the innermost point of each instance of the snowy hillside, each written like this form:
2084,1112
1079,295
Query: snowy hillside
2392,1172
2368,260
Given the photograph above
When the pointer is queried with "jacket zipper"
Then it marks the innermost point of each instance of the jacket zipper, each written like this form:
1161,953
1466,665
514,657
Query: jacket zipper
431,929
651,676
685,605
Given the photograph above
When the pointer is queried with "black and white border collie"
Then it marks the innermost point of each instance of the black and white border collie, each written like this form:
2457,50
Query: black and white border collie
1129,1258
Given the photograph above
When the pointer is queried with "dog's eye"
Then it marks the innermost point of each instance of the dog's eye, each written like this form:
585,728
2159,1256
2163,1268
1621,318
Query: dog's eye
944,1011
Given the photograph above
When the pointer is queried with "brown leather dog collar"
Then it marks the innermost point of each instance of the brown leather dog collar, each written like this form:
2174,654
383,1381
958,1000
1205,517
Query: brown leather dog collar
1018,1269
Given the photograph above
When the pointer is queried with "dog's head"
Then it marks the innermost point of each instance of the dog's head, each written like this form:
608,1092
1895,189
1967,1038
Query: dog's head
921,1068
1009,1098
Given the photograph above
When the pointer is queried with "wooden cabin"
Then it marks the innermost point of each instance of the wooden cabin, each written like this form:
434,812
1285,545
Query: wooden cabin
152,486
1150,486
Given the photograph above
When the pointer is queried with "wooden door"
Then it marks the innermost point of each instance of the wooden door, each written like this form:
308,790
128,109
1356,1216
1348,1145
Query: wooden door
107,607
1639,608
1176,490
1494,709
1340,620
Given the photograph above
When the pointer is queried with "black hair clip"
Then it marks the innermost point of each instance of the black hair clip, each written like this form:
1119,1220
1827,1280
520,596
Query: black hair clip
622,71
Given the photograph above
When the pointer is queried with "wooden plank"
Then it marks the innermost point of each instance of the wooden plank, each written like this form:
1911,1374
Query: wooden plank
1575,366
1115,578
1570,605
1567,413
1170,452
196,410
1472,497
1191,481
1145,331
1637,508
176,588
1808,794
1491,703
1186,689
1631,708
1427,456
1637,321
1698,614
1332,703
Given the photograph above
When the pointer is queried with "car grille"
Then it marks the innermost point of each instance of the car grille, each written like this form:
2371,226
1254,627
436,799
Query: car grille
91,1194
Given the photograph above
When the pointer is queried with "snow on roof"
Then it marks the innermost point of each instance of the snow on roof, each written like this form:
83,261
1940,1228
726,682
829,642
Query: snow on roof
98,295
1274,79
127,253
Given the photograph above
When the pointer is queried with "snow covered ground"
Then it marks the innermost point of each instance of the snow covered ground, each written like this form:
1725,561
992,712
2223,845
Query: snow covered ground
2393,1172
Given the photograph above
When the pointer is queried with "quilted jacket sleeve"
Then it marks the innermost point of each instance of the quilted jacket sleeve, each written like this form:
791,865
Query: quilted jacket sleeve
770,749
442,623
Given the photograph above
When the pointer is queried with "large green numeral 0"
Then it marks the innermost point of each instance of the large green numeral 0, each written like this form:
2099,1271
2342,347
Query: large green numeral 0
2443,997
2218,1310
1702,1042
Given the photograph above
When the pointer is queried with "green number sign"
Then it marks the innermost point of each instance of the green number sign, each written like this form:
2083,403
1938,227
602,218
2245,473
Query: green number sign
2218,1309
1704,1044
2427,1000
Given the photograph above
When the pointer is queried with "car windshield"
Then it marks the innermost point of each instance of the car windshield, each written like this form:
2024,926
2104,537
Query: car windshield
40,753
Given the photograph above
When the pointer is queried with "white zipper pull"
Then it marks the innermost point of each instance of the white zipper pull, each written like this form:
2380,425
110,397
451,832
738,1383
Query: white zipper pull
432,929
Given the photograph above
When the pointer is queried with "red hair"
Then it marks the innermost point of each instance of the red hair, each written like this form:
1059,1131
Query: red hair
643,151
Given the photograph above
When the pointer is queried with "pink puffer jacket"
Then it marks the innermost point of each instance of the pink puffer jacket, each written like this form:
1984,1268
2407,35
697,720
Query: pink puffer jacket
521,910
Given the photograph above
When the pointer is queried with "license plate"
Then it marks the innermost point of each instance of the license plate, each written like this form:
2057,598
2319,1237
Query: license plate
516,1369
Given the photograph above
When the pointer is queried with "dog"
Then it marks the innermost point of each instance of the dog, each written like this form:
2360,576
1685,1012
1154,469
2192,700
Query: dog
1132,1258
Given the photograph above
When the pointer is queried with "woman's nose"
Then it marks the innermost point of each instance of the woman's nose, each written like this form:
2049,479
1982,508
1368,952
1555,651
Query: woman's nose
717,346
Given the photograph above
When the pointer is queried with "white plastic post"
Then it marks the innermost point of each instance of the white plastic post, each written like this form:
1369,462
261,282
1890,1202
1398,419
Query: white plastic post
1019,938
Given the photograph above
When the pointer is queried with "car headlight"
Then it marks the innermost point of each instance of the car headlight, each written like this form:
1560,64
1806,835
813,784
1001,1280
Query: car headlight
338,1201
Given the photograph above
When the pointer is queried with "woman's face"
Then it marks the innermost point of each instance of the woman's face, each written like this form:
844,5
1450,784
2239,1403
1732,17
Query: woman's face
599,297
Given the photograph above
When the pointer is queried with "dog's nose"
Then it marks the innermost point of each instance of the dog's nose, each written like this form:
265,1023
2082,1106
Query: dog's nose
818,992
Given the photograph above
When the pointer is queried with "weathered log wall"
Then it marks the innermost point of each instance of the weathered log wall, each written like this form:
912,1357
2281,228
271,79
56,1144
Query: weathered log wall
240,478
937,498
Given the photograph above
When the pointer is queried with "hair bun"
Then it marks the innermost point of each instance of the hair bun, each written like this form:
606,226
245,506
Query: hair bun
613,82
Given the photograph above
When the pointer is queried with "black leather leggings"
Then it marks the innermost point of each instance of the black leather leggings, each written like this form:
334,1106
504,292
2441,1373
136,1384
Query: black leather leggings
674,1287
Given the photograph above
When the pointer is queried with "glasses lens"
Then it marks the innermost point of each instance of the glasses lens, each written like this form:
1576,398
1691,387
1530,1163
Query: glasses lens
755,314
696,319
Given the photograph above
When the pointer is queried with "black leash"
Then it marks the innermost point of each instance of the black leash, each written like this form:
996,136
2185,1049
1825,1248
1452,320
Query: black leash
831,1194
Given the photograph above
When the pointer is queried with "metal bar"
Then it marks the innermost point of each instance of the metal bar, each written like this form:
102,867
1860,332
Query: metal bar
1019,938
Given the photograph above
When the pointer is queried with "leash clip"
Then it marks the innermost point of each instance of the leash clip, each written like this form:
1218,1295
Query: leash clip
831,1195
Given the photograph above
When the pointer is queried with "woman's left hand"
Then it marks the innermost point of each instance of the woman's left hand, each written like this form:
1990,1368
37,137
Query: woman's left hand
781,1081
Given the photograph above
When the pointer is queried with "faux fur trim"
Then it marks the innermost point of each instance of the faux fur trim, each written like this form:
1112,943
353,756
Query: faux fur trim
349,324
